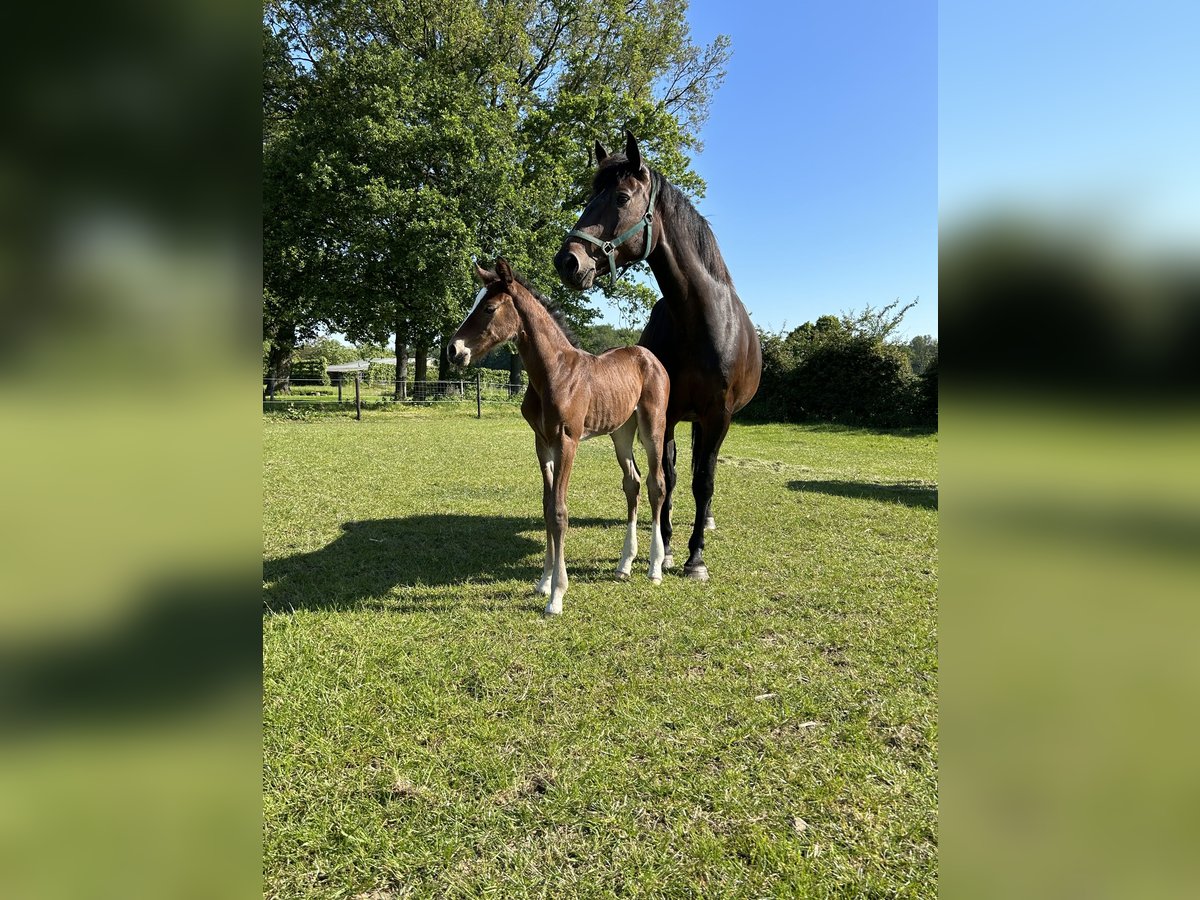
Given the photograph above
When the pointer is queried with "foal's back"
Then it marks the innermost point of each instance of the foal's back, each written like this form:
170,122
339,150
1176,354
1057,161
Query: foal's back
617,382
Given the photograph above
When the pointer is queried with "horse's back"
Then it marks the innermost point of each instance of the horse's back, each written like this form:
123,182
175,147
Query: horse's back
723,362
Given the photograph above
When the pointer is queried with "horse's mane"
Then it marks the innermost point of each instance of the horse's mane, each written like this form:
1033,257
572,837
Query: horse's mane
686,222
555,313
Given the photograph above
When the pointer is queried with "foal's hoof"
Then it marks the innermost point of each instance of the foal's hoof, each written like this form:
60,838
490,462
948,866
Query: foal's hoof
552,610
656,579
696,573
621,576
668,560
710,524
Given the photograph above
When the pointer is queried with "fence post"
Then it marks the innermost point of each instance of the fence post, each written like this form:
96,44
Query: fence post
478,397
357,397
271,387
339,387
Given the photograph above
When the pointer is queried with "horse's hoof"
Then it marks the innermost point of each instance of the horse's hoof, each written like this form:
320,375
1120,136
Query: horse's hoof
656,579
552,610
668,561
621,576
543,589
710,524
696,573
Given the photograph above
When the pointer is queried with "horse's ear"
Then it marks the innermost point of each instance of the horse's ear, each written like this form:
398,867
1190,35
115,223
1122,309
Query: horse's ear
484,276
632,153
601,153
504,270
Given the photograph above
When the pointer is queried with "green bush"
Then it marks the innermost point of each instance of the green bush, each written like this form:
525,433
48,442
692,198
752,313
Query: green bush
310,370
843,370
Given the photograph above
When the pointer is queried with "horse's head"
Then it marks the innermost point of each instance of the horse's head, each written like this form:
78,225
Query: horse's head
616,226
492,320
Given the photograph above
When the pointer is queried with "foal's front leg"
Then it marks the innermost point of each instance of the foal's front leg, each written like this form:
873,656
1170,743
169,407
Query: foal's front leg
556,521
631,483
546,464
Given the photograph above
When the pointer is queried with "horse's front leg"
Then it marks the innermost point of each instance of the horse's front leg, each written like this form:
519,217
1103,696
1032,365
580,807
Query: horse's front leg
546,464
707,440
556,521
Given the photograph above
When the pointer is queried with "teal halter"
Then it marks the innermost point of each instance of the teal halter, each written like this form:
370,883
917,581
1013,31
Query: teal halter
609,248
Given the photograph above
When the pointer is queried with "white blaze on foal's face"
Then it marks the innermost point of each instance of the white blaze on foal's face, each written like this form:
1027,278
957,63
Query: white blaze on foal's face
459,354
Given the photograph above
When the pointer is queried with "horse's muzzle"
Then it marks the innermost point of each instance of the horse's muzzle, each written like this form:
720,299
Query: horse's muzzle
576,270
459,354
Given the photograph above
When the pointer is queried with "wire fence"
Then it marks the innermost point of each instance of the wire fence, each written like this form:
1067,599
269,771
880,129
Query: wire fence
356,391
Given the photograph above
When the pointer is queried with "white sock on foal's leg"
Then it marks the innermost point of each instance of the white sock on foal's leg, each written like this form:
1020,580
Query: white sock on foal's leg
657,554
629,551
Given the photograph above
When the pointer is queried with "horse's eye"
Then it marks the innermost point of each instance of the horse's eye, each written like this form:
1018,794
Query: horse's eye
491,310
622,199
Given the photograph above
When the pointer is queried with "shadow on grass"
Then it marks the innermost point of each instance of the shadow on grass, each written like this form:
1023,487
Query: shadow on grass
910,493
840,428
360,569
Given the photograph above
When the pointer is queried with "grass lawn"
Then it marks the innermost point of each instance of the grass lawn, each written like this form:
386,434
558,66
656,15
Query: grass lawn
429,734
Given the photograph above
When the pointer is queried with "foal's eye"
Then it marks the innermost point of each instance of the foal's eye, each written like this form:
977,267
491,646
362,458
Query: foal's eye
622,199
491,310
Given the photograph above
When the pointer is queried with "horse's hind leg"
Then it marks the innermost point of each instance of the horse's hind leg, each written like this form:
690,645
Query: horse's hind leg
631,481
651,429
668,460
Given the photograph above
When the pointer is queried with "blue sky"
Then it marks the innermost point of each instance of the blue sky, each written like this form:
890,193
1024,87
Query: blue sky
1079,113
821,156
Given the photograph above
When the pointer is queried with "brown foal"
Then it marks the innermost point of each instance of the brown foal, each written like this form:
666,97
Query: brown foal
572,396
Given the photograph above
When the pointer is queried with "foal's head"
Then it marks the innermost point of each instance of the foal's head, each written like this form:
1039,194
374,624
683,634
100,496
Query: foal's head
492,320
621,194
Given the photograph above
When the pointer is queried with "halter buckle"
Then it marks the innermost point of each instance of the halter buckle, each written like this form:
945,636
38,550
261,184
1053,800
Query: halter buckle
608,249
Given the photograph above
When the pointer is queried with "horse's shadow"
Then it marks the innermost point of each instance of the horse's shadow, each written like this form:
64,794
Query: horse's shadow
363,566
909,493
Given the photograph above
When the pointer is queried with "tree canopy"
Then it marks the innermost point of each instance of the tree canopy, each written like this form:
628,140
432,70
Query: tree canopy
401,139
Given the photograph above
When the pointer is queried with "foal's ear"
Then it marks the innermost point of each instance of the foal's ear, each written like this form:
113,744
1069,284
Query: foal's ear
601,153
484,276
632,153
504,270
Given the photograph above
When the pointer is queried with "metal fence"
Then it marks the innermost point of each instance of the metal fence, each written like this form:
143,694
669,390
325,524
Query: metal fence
355,390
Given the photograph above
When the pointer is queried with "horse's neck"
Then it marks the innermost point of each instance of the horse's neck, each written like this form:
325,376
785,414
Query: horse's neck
540,341
687,286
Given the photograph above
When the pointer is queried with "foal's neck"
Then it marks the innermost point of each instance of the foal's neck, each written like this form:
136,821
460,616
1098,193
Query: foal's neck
540,341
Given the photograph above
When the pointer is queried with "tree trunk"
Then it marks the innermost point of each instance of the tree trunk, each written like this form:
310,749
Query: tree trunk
421,351
279,358
401,361
514,373
443,365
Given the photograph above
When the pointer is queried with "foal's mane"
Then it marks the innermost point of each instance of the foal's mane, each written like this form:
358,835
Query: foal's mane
555,313
686,222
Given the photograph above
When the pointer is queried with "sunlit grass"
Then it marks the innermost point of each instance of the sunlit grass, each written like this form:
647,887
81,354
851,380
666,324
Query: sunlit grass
428,733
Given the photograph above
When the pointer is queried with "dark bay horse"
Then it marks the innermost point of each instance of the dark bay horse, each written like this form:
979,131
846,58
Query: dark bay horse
573,395
699,329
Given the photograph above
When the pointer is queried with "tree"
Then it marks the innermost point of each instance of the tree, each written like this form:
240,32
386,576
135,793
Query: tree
418,135
922,352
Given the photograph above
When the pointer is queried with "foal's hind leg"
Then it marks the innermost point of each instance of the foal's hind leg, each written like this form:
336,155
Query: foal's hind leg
651,430
631,481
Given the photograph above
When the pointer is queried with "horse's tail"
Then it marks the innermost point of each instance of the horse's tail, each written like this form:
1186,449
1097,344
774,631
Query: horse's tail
695,444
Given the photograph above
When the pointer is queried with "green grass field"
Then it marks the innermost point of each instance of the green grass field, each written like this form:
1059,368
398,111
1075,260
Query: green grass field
429,734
